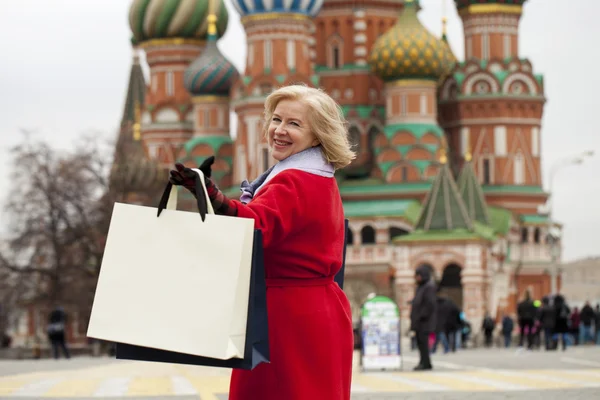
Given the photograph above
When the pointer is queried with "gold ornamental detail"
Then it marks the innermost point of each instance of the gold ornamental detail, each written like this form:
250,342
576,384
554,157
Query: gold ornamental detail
491,9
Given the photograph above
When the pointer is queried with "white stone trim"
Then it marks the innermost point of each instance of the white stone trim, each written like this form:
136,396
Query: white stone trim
520,76
495,87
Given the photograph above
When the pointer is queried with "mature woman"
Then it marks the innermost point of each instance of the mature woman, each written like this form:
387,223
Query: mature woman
298,207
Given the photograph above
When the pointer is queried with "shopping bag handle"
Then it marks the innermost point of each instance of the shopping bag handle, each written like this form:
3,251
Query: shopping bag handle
168,199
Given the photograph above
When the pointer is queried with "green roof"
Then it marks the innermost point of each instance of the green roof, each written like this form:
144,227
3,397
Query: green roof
444,209
479,232
215,142
369,186
382,208
519,189
500,219
363,111
346,67
417,130
534,219
472,195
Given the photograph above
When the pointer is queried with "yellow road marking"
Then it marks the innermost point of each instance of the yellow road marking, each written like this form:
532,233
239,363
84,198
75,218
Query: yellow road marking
8,386
452,382
524,380
208,386
74,388
381,384
150,386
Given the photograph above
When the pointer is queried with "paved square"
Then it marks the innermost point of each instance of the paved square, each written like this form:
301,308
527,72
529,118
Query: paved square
470,374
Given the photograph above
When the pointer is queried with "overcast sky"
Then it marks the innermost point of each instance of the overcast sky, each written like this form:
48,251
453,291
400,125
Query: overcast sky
65,65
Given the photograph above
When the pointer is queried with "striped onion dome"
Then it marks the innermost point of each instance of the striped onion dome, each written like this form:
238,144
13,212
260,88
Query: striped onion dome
164,19
211,73
253,7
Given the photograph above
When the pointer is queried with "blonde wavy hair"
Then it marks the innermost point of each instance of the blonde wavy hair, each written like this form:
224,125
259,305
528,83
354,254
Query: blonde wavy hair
325,119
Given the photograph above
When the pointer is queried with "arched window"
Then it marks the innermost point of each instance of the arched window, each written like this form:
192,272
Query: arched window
367,235
335,52
524,235
536,236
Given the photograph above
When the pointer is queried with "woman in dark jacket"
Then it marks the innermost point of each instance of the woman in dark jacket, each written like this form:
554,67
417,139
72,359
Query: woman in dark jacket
561,327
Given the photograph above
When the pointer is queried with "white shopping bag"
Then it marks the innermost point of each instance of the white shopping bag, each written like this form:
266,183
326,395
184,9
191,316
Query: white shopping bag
175,282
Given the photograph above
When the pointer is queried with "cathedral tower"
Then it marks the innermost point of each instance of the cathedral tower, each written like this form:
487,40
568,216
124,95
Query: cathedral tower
493,103
410,60
278,42
345,31
172,34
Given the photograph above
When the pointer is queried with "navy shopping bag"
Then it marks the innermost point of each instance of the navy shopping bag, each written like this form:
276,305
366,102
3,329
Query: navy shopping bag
339,277
257,332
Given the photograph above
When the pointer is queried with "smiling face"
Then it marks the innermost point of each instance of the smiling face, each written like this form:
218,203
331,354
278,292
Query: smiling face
289,131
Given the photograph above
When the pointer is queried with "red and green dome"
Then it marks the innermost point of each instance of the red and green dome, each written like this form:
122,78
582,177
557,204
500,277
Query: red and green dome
166,19
211,73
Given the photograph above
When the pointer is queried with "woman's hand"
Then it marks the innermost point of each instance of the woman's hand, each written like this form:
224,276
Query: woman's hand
183,176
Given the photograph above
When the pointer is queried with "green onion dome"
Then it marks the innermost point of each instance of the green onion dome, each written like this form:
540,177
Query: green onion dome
167,19
211,73
409,51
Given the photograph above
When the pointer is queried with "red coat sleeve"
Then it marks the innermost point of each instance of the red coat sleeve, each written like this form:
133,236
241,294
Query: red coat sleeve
278,208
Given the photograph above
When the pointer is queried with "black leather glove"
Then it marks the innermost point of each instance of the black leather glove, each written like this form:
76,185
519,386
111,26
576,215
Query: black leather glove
185,177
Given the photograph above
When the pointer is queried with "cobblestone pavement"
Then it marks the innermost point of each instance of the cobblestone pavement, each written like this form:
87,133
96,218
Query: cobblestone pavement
472,374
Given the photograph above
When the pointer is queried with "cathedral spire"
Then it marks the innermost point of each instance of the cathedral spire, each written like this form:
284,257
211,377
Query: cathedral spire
444,209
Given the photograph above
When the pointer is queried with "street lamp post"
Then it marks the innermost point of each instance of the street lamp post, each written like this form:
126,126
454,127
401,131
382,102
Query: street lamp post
573,160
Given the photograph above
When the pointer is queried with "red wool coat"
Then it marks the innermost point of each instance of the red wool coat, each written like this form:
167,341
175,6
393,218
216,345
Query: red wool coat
310,321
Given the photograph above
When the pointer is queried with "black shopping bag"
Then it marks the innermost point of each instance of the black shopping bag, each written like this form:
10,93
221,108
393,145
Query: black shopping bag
339,277
257,332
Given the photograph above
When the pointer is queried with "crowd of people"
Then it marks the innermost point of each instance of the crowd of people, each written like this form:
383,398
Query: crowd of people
552,322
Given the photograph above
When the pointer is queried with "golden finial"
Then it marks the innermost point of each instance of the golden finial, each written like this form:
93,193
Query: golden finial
443,151
444,22
444,19
212,25
468,155
137,129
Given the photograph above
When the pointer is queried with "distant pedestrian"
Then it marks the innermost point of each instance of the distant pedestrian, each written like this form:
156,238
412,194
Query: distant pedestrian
587,320
575,324
508,325
561,327
440,324
526,313
56,332
547,318
423,315
488,329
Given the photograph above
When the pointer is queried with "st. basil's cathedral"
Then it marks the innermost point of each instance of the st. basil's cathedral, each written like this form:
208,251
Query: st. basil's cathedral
448,168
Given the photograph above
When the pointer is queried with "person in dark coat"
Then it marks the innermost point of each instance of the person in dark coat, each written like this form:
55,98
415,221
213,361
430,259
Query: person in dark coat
488,326
561,326
452,323
547,317
447,323
423,315
508,325
575,322
587,320
526,312
56,332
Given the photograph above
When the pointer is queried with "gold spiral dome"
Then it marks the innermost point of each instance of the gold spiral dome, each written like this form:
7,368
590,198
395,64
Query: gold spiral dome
409,51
